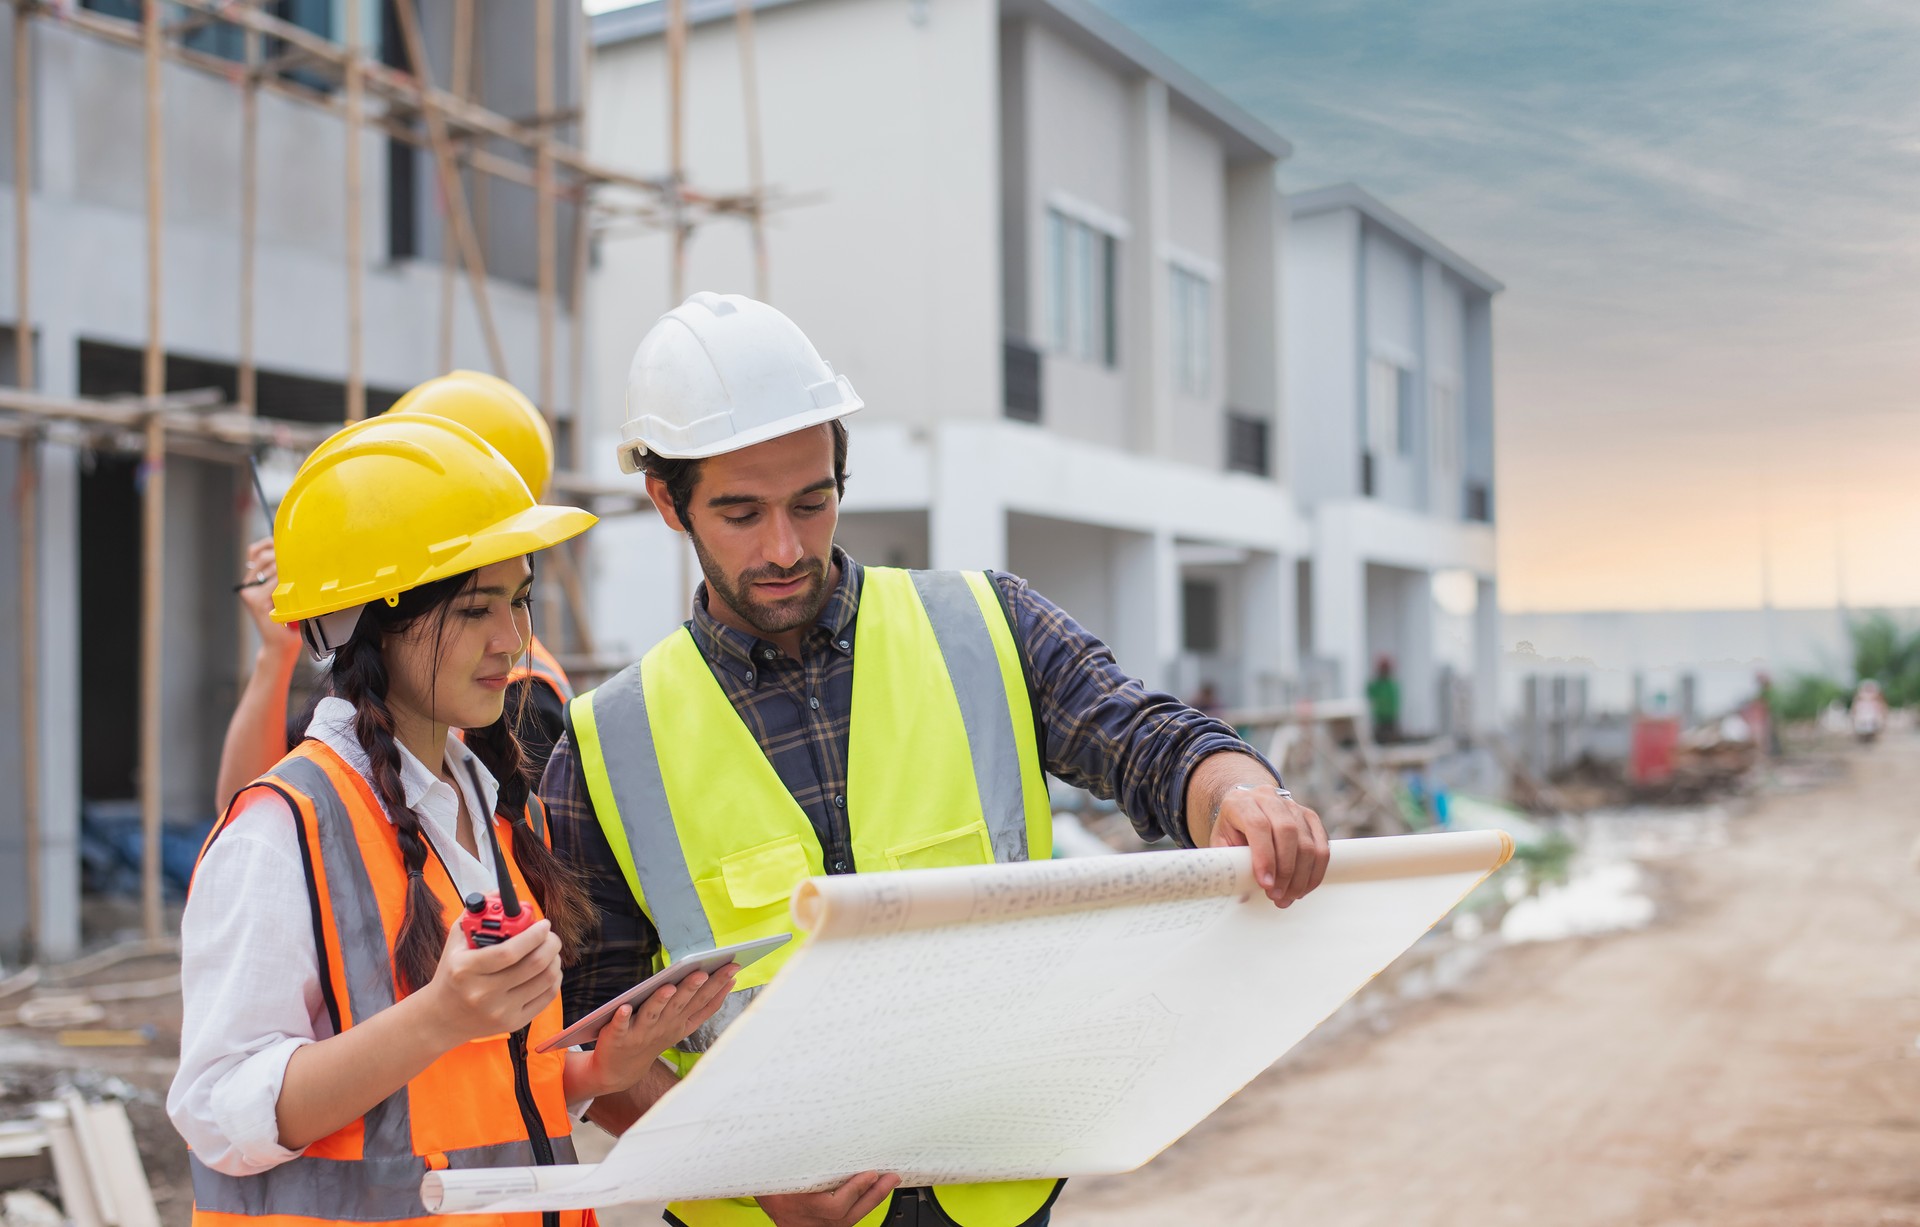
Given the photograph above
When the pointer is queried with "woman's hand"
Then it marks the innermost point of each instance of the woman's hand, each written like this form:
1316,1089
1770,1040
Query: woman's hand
633,1039
276,638
493,990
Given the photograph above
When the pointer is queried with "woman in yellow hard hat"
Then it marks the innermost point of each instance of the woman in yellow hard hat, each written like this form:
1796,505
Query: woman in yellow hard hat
539,690
502,414
372,945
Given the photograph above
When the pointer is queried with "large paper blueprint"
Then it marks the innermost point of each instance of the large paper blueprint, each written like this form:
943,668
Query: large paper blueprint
1010,1022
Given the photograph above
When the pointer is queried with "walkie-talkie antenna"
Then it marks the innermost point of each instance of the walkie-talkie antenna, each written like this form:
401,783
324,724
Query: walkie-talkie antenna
509,901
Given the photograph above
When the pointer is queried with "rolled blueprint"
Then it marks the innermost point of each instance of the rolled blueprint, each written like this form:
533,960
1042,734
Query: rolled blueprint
1010,1022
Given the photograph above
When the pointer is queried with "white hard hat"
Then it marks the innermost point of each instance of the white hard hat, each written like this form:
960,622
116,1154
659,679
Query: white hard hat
721,372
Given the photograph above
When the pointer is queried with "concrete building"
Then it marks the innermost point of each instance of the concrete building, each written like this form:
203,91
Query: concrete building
88,313
1389,394
1047,257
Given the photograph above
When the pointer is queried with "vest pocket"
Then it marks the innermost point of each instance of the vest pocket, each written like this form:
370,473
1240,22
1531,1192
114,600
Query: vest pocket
765,874
967,845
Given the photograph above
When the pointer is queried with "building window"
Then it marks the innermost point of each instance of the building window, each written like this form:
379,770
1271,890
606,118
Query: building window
1200,615
1083,317
1192,332
1247,446
1390,408
1020,370
209,35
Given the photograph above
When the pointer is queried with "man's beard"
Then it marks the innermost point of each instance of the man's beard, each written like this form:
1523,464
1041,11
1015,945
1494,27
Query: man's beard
769,618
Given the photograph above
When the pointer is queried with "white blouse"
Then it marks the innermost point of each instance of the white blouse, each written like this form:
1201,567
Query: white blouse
250,975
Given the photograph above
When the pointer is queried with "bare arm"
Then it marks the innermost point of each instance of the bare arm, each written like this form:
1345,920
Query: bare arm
616,1112
257,733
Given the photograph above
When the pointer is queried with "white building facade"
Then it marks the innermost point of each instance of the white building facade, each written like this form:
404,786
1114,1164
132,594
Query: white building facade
1389,393
1048,259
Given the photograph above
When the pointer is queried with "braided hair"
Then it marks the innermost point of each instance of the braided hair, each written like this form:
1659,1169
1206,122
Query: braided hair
359,675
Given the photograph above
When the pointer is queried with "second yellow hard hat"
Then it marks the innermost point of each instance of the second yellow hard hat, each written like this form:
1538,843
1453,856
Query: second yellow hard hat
398,501
496,411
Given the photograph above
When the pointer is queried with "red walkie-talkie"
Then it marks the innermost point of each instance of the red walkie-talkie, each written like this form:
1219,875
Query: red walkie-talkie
492,919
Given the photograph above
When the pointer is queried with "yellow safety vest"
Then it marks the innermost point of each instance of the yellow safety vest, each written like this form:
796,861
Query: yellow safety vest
943,768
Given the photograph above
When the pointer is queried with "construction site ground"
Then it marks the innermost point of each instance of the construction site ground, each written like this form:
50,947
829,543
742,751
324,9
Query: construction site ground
1751,1059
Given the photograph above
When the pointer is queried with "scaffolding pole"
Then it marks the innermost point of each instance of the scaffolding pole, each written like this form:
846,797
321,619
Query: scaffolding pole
356,264
462,86
27,485
26,478
582,252
154,499
246,385
756,170
22,194
676,141
546,239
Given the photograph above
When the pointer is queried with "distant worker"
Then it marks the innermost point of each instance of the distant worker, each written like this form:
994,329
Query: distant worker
1383,702
340,1036
258,734
817,716
1869,711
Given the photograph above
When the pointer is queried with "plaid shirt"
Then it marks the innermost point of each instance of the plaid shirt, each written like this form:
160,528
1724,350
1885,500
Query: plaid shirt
1103,731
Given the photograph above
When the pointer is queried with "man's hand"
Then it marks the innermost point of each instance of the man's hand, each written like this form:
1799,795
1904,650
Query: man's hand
1232,802
841,1207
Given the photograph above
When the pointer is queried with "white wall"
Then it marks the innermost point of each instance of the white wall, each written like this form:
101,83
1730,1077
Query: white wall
1081,156
1321,366
1196,236
883,131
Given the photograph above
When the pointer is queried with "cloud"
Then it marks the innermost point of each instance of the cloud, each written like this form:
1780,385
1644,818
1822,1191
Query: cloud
1703,213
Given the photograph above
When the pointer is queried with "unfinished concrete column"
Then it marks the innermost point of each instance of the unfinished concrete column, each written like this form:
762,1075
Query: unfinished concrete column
1143,289
1268,620
1486,656
1419,680
1146,605
966,519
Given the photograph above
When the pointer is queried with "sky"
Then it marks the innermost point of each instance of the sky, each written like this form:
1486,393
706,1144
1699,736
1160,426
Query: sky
1707,217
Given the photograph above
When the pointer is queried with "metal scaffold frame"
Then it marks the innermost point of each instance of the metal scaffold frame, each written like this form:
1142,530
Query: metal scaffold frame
464,139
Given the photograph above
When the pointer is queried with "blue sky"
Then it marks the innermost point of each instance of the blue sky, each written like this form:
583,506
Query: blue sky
1708,220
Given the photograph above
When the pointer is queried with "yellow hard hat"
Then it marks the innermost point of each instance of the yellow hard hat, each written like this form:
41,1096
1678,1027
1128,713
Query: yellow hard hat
496,411
398,501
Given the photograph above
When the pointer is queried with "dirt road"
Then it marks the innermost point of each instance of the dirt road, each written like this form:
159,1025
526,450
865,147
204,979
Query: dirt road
1752,1060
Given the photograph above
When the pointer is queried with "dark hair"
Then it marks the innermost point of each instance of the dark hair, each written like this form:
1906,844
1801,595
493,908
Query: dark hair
359,675
679,476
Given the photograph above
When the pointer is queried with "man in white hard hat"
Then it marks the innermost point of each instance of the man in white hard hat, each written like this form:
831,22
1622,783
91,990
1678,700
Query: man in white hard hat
808,682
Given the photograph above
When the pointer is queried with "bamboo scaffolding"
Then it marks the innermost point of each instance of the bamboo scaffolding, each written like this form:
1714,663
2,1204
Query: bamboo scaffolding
756,169
247,383
28,486
153,524
451,189
356,262
546,239
676,141
465,138
462,82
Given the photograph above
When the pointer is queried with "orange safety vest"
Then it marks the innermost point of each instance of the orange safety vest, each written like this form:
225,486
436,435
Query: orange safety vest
541,665
490,1103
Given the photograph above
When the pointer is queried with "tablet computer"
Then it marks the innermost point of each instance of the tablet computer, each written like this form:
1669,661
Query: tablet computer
709,962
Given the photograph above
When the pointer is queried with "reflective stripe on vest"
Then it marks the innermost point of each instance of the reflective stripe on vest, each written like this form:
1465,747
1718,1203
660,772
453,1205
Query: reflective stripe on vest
543,666
943,768
370,1171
